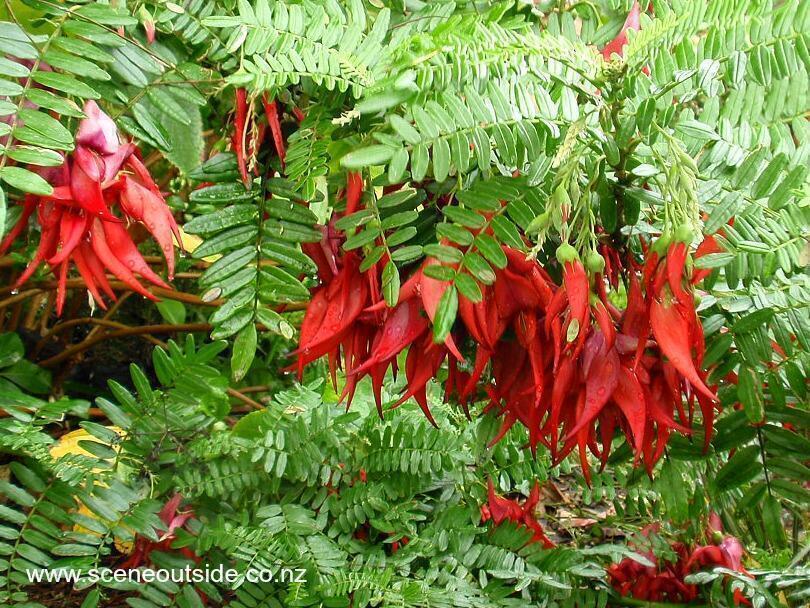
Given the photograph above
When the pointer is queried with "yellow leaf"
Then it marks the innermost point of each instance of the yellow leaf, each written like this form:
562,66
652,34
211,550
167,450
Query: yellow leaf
68,444
191,242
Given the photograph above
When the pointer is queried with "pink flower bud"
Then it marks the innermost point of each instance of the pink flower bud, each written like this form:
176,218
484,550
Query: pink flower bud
97,131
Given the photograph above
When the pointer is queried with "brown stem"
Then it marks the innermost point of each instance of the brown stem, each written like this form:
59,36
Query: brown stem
100,323
46,313
130,331
255,389
37,286
17,297
244,398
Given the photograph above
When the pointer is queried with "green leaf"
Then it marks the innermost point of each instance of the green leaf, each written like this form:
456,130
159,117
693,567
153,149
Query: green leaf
445,315
91,600
479,268
419,162
443,253
791,491
383,100
749,391
390,284
468,287
11,349
715,260
244,350
25,180
367,157
740,468
441,160
45,128
405,129
697,129
75,65
10,89
275,323
439,272
772,520
219,220
491,250
172,311
31,155
148,119
232,324
186,135
397,166
65,84
753,321
221,167
48,100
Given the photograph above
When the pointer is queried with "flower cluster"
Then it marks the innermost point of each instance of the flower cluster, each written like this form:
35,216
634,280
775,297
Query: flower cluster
77,221
665,579
562,359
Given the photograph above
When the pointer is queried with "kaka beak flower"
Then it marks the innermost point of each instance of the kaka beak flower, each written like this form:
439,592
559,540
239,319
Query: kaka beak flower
173,519
501,509
77,220
599,368
240,133
271,110
632,22
665,581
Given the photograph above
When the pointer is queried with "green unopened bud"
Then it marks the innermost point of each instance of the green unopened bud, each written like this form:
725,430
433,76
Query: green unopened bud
594,262
684,234
538,223
566,253
661,244
560,198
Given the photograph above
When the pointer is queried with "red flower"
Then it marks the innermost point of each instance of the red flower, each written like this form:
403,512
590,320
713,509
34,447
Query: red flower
174,519
632,22
561,359
245,141
500,509
77,220
664,581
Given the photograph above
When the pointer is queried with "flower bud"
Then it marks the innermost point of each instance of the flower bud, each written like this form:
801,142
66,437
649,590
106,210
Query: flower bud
594,262
684,234
566,253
